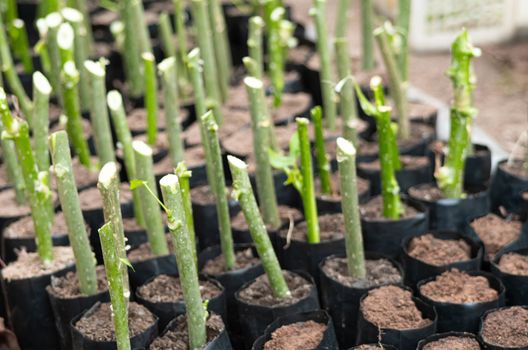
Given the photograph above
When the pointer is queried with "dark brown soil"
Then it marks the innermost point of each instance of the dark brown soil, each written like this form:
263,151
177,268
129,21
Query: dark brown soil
373,210
193,157
202,195
331,228
363,186
438,252
61,125
301,335
238,222
292,106
458,287
392,307
453,343
167,289
91,199
84,176
67,287
515,168
419,132
177,339
143,252
243,259
137,119
10,208
369,347
407,162
496,232
161,145
380,272
131,225
4,181
23,228
259,292
99,326
426,192
507,327
420,111
234,120
514,264
30,265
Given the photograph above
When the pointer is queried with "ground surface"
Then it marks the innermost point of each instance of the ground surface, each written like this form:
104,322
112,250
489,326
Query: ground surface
502,71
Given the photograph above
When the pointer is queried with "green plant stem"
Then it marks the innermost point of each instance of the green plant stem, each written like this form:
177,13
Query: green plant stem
307,193
70,79
132,48
261,123
244,194
183,249
183,176
367,38
40,120
46,7
345,89
181,38
275,53
82,7
200,107
108,185
37,183
169,86
323,165
341,18
13,170
402,22
8,69
151,93
116,286
17,29
254,43
80,52
221,46
149,204
140,27
117,113
104,145
69,199
222,207
205,43
166,35
346,161
327,81
251,66
398,86
53,21
65,41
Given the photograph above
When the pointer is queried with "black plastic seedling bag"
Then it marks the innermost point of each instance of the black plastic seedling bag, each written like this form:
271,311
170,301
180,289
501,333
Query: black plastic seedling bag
137,342
506,191
438,336
489,346
328,342
342,302
10,246
384,346
516,285
464,317
142,271
417,270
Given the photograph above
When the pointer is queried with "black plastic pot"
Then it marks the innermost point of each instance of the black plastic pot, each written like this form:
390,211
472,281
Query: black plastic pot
30,311
464,317
342,301
417,270
256,317
385,236
286,194
516,285
166,311
489,346
405,339
81,342
384,346
506,191
435,337
65,309
406,177
451,213
328,342
332,205
144,270
11,245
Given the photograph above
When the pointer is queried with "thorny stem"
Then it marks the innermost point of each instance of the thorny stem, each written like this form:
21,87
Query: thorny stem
69,199
244,194
40,119
367,38
346,161
345,89
323,165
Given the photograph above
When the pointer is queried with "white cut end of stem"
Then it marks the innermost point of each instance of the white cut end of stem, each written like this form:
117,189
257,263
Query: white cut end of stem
53,20
18,23
169,181
167,64
70,70
194,54
42,27
117,27
107,174
41,83
384,109
95,68
147,56
375,81
72,15
302,121
345,146
277,14
237,163
253,82
65,36
114,100
142,148
257,20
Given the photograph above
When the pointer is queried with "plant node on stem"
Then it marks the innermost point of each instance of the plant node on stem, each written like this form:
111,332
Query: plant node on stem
323,165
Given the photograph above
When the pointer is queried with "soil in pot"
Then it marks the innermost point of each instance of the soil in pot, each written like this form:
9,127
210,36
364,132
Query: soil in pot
458,287
300,335
29,265
99,326
369,347
495,232
507,187
331,227
243,259
514,264
373,210
167,289
10,207
67,286
506,327
137,119
438,252
453,343
176,338
143,252
392,307
159,150
331,203
193,157
90,198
